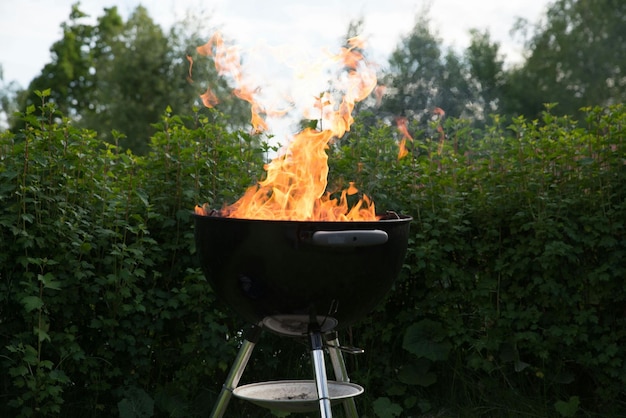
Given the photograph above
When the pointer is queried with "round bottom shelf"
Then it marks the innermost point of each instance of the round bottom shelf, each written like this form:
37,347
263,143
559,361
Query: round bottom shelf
294,395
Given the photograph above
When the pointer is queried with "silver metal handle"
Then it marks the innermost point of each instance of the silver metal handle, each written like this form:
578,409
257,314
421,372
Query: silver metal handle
356,238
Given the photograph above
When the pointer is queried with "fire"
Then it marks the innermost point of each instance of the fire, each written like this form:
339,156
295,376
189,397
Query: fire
295,184
442,136
402,124
404,130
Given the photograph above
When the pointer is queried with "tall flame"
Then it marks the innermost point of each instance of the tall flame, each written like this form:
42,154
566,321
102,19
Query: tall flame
295,184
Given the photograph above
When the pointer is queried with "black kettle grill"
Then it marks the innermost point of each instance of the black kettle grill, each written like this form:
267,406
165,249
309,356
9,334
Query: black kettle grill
299,279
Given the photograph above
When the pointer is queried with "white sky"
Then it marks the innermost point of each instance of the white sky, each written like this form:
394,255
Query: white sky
29,27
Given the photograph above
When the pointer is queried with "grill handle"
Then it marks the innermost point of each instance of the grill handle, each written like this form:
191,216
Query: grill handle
356,238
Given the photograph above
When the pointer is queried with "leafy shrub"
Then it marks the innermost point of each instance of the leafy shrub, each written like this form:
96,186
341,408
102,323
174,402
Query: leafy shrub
102,301
512,291
510,300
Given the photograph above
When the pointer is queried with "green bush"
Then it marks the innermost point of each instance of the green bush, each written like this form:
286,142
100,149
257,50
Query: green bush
512,296
510,302
102,301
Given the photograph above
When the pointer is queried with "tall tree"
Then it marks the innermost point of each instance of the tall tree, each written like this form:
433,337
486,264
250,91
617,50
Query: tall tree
415,70
191,73
122,76
75,60
486,70
577,58
423,76
8,94
132,86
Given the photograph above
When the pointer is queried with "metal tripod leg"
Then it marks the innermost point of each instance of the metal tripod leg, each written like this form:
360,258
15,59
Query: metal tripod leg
341,373
251,337
319,369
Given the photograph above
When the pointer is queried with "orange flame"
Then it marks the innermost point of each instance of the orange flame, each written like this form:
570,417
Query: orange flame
209,99
379,92
190,59
442,136
401,122
295,184
227,62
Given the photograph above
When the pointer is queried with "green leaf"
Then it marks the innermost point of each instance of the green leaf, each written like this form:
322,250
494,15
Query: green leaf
48,281
31,303
136,404
410,401
42,333
384,408
424,339
43,93
396,390
28,217
569,408
143,197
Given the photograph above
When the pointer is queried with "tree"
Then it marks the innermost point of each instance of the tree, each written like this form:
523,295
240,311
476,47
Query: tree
191,73
8,94
148,72
122,76
577,58
486,69
414,73
423,78
74,70
81,53
132,86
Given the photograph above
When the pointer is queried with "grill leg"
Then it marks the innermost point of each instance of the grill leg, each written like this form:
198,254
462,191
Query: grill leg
251,337
341,373
319,369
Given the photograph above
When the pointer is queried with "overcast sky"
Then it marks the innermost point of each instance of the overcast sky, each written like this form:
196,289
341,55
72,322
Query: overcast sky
29,27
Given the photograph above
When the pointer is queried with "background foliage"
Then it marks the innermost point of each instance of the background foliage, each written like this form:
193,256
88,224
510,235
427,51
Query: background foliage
102,301
513,278
511,300
120,75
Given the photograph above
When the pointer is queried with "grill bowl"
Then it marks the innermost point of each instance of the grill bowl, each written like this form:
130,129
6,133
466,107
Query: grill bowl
289,271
